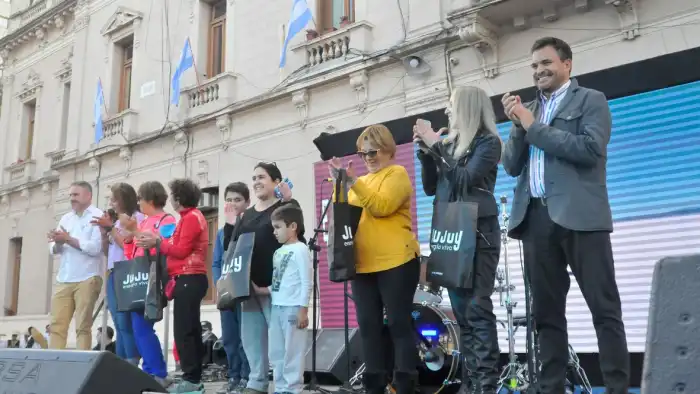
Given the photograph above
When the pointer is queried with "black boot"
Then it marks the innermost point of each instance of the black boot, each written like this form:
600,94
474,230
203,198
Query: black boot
485,346
485,383
375,383
405,383
466,387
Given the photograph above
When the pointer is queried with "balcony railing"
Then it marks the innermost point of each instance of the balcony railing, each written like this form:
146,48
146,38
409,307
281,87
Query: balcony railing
27,15
20,171
60,156
120,125
211,95
33,11
337,44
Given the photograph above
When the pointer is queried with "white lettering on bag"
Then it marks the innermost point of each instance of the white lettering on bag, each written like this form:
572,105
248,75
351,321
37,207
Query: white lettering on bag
235,265
132,280
347,236
446,240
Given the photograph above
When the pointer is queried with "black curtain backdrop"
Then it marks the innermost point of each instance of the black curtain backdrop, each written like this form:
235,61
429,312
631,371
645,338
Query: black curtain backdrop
651,74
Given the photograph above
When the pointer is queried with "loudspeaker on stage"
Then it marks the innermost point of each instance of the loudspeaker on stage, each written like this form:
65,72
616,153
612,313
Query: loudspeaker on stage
331,355
36,371
672,356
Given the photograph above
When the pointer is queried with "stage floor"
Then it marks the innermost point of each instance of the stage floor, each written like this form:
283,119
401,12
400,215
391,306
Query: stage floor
211,388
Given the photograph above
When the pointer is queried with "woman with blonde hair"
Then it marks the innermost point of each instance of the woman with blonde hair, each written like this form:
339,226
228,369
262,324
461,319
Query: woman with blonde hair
387,271
463,167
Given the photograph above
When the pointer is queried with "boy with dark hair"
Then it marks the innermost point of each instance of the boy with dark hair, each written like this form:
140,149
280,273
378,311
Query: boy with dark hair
290,292
237,200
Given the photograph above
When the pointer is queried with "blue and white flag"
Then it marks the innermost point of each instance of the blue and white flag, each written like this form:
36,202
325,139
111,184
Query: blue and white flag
97,110
301,15
185,63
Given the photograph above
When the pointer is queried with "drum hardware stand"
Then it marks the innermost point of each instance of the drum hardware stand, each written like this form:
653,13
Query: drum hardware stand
516,376
313,246
578,373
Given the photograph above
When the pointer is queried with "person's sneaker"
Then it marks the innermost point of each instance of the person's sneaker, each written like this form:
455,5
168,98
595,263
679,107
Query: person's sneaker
229,387
242,385
186,387
165,382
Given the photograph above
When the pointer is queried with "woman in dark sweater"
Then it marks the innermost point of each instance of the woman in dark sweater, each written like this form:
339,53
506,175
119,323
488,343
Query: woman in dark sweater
256,311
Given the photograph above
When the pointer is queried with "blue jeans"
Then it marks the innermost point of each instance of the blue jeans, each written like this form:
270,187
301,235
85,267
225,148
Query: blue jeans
238,367
255,315
149,346
126,343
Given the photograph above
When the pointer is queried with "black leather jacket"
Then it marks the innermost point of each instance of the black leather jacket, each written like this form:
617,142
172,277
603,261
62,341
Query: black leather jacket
471,178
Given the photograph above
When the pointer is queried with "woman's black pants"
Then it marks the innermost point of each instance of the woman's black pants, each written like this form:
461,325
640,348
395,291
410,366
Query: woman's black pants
392,289
188,294
473,310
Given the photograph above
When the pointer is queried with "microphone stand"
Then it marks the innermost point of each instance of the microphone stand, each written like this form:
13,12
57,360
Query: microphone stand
313,246
346,387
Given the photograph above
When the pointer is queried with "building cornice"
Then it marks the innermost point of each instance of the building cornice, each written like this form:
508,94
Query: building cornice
48,17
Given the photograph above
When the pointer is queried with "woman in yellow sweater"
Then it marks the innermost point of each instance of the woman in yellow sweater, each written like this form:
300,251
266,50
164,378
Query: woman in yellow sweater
387,260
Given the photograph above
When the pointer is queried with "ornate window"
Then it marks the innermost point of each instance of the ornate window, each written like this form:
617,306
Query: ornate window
217,39
334,14
125,77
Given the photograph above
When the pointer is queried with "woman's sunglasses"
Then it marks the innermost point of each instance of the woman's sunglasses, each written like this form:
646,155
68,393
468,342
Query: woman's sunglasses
370,154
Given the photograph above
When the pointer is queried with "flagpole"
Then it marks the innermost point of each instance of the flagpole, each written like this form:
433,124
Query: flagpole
194,63
102,92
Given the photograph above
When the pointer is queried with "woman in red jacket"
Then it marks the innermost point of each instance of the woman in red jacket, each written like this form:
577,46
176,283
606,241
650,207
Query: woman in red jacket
186,253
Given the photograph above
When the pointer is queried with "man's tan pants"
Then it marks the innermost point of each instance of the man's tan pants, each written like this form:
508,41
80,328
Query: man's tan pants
74,298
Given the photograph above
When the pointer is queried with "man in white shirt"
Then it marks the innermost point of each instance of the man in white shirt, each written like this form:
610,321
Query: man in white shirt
79,244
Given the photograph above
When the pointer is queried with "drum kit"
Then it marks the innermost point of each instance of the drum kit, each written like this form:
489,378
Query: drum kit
438,338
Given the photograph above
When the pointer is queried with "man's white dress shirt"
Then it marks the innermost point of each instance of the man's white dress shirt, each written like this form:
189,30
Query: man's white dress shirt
79,265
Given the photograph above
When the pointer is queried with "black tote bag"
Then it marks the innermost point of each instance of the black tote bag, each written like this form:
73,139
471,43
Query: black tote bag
130,283
341,233
234,284
453,244
155,292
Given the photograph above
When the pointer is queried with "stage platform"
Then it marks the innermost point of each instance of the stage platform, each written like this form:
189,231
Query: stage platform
211,388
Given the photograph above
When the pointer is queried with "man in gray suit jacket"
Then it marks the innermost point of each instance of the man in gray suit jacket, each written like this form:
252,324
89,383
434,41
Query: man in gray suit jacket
558,150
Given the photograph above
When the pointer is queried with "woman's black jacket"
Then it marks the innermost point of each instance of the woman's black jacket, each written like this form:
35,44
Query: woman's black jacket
472,178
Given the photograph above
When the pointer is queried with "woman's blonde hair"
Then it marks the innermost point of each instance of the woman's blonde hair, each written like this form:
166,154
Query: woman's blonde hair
379,136
472,112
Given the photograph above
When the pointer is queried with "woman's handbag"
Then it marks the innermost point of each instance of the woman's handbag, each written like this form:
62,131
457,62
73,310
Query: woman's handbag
131,278
453,244
156,299
235,284
130,283
345,219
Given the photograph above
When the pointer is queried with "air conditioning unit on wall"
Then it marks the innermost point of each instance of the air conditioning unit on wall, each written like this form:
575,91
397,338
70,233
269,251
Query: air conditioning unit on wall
210,199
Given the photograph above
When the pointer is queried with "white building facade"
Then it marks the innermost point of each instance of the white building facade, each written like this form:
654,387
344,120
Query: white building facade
4,16
238,108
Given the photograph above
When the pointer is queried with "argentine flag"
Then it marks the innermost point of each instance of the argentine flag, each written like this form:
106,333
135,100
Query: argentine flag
301,15
97,112
185,63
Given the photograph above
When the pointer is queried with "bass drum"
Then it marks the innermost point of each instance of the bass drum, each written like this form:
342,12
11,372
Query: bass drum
438,346
426,292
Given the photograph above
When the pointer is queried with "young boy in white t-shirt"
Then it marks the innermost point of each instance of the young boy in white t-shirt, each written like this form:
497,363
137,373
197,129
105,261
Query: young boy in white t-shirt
290,292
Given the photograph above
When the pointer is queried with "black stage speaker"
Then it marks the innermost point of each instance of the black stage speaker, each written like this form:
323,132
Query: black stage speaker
672,357
331,355
36,371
